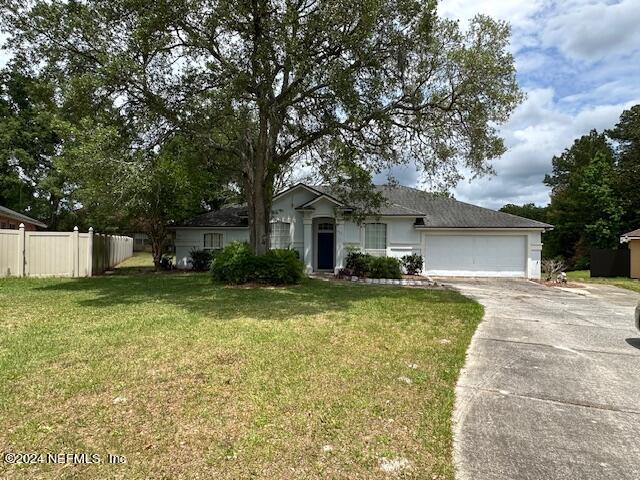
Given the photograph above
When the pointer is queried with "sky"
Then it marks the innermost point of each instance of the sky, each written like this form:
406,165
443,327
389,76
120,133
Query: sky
578,62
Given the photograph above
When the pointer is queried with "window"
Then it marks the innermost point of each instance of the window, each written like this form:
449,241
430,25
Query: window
212,241
325,227
375,236
280,235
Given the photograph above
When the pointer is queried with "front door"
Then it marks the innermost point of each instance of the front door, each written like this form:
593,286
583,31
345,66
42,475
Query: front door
325,246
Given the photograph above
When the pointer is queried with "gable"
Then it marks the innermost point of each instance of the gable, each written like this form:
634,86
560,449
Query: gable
291,198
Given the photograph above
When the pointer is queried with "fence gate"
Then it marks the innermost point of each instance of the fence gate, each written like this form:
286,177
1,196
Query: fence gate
610,263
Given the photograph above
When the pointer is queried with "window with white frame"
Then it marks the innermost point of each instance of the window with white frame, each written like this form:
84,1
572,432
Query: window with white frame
212,241
375,236
280,235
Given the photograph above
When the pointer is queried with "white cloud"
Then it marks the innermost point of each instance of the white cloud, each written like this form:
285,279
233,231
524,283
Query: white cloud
519,13
579,61
594,31
537,131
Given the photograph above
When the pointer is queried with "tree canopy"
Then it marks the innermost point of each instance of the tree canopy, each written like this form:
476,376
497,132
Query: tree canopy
626,139
594,192
350,86
30,180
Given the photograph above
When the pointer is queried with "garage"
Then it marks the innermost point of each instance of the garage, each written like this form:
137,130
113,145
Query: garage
476,255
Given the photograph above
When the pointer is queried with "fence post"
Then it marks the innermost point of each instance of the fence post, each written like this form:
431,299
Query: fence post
21,251
75,239
90,253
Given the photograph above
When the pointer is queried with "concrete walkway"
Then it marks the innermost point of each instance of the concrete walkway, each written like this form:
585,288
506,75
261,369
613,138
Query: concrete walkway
551,387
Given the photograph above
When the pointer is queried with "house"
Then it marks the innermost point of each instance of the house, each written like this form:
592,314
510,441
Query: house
11,220
455,238
633,239
142,242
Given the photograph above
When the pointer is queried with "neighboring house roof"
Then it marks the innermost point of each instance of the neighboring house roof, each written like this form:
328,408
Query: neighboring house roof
631,235
7,212
235,216
433,210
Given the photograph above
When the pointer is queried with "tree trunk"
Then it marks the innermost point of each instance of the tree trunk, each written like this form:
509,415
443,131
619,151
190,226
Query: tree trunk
259,178
157,234
259,194
54,203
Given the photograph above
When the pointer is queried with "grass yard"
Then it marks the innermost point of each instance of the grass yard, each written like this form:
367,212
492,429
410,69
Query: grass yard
622,282
191,380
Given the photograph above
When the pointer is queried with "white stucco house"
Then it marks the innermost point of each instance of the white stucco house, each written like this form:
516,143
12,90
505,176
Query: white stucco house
454,238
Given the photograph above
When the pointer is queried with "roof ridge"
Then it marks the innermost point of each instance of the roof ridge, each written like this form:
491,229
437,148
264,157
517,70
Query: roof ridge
499,213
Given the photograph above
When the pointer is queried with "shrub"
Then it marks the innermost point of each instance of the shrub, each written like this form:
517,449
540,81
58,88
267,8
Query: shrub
384,267
358,263
365,265
233,264
279,267
200,259
412,264
551,267
344,273
236,264
166,262
582,263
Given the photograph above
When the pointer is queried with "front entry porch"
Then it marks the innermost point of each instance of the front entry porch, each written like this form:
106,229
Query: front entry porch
323,250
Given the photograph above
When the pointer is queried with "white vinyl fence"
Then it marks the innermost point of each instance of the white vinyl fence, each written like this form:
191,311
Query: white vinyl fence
60,254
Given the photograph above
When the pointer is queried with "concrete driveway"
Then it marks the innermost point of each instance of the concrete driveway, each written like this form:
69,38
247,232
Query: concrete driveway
551,387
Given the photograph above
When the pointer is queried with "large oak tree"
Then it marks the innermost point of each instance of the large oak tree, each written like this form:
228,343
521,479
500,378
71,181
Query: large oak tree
348,85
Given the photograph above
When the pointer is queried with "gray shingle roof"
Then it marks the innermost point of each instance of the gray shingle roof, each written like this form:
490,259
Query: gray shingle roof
7,212
634,234
235,216
443,212
436,210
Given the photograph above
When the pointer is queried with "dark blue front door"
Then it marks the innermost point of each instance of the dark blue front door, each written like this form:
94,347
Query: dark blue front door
325,251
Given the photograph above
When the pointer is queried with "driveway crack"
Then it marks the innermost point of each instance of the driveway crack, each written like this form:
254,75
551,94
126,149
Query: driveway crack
559,347
553,400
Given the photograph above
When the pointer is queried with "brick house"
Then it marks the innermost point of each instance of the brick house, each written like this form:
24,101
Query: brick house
11,220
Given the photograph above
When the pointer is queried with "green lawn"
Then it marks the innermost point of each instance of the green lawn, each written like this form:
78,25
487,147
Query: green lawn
190,380
622,282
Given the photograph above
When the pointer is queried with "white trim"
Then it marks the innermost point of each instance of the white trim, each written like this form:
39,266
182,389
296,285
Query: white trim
478,231
315,243
213,227
527,256
295,187
319,197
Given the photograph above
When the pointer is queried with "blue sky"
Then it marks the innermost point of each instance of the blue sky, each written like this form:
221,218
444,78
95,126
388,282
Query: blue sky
578,62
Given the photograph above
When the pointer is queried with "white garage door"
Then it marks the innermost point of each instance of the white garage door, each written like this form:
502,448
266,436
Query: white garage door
477,255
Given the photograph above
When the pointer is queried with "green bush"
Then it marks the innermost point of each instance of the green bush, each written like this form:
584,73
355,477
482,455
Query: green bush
357,263
166,262
235,264
200,259
384,267
365,265
279,267
412,264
